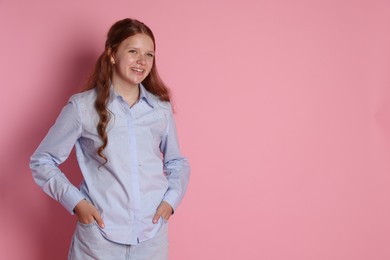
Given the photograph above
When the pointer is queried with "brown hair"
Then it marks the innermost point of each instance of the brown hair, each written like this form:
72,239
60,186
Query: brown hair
102,73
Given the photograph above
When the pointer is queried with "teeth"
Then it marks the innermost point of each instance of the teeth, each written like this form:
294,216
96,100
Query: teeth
138,70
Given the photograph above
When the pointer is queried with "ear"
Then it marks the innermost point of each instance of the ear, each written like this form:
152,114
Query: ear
111,55
112,59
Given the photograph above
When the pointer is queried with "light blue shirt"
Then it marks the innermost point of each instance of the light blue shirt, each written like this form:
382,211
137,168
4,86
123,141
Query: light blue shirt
144,165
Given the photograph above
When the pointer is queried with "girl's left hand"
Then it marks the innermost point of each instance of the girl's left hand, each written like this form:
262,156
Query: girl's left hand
164,210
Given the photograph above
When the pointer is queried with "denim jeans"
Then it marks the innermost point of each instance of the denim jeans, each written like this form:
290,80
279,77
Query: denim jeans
88,243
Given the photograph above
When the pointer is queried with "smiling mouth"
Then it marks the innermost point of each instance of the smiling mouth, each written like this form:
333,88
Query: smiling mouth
138,70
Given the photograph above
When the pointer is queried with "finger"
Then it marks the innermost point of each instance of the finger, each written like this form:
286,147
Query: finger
99,220
166,216
167,211
86,220
156,217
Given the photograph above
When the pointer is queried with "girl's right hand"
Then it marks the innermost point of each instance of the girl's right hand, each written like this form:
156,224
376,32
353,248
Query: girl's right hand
87,213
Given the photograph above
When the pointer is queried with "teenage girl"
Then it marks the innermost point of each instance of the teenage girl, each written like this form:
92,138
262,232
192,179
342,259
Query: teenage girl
124,133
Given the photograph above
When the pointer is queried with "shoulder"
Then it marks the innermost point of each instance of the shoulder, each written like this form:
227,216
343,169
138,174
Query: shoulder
164,106
159,104
84,102
84,97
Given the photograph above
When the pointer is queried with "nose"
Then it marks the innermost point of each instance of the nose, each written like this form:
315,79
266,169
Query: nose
141,60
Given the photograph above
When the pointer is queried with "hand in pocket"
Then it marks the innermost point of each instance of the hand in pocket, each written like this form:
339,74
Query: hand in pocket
87,213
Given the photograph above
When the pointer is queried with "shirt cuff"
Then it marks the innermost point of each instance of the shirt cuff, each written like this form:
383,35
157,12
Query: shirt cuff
172,198
70,199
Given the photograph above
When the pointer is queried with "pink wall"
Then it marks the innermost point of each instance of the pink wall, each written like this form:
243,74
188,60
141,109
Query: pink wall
283,108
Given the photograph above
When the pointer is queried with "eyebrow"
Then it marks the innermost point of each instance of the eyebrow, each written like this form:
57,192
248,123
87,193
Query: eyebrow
131,47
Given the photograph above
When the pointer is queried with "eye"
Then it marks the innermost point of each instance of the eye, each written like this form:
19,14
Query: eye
151,55
133,51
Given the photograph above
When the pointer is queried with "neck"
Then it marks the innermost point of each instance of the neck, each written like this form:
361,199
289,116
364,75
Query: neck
129,93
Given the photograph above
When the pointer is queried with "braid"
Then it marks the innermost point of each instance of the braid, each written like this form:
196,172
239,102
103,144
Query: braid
100,80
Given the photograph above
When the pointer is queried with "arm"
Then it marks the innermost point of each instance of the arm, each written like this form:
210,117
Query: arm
177,170
54,150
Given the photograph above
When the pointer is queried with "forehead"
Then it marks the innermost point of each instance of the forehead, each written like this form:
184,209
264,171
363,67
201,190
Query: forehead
140,41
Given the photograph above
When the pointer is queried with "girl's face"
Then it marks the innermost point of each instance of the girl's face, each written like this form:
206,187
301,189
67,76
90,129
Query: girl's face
133,60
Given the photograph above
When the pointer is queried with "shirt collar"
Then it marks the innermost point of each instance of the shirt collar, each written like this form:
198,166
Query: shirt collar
144,95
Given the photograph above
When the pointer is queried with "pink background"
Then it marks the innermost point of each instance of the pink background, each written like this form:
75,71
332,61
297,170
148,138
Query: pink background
283,109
